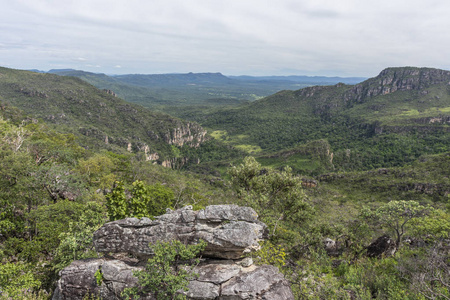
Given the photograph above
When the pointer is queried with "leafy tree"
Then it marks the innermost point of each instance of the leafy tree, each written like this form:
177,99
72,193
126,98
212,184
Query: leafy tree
116,202
168,272
76,242
145,200
275,195
395,216
10,223
16,279
98,169
434,226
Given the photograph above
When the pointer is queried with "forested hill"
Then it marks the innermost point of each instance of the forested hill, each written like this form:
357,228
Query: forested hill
175,93
386,120
97,117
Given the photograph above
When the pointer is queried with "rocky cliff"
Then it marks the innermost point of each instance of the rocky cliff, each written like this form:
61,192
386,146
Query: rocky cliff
224,273
98,118
190,133
391,80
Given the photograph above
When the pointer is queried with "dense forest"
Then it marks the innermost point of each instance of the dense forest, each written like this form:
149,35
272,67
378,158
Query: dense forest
329,169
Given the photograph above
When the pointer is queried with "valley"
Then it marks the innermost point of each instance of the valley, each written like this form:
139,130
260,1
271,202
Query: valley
316,157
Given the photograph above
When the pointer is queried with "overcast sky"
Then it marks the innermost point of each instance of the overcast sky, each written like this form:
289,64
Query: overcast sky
235,37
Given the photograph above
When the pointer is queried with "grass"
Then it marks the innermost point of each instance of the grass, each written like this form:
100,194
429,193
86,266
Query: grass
250,149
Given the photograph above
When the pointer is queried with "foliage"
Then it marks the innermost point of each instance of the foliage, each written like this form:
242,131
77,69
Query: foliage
98,277
275,195
96,118
76,242
17,279
270,254
396,216
427,271
117,203
432,227
145,201
98,169
168,272
55,172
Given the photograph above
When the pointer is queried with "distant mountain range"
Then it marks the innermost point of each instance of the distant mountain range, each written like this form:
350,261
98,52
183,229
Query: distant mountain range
98,118
315,80
388,120
169,92
172,79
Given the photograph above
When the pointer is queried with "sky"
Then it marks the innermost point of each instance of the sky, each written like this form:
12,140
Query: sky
234,37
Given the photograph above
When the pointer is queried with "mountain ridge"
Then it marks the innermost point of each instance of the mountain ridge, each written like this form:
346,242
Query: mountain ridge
406,107
98,117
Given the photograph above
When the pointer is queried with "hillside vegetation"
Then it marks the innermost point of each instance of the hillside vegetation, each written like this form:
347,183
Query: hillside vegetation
389,120
333,169
100,120
184,95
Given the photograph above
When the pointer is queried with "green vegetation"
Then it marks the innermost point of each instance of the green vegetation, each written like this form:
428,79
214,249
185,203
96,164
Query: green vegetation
349,163
167,272
97,119
366,126
186,95
145,201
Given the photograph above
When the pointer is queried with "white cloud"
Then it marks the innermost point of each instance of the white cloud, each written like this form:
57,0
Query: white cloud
347,37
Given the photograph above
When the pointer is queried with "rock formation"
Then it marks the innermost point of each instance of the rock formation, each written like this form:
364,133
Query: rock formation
382,246
397,79
224,272
189,133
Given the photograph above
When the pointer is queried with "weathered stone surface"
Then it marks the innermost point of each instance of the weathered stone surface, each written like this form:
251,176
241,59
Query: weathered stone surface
78,279
217,280
217,272
383,245
230,230
202,290
262,282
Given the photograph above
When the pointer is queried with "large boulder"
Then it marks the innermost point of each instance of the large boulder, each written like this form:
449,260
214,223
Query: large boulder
382,246
78,280
217,279
230,231
224,272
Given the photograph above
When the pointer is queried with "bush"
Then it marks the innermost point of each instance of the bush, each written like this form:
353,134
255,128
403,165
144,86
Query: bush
168,272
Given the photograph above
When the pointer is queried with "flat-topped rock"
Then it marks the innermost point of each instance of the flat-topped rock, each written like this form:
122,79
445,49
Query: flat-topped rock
230,231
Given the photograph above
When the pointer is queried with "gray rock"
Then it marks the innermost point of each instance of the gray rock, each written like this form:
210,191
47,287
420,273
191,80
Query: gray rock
230,231
77,280
262,282
216,280
383,245
202,290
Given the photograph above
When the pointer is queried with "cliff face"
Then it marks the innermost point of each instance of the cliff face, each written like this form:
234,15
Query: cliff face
230,232
99,118
190,134
391,80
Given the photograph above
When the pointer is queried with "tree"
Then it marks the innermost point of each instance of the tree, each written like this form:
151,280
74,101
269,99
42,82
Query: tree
168,272
17,279
98,169
76,242
275,195
395,216
145,200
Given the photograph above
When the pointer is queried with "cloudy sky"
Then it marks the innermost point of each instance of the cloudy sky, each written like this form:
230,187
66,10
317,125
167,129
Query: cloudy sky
235,37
